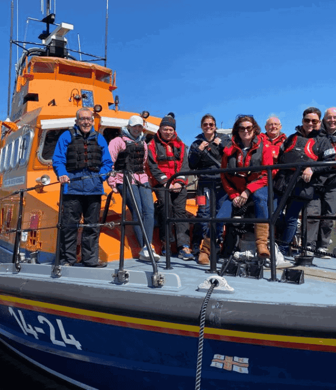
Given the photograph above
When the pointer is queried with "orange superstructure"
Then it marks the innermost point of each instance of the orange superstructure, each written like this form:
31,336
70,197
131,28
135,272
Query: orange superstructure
48,91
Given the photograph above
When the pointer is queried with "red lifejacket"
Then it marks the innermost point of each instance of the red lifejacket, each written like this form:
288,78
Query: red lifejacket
233,156
168,156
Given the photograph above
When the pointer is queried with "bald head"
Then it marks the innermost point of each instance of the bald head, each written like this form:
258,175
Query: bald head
273,127
329,120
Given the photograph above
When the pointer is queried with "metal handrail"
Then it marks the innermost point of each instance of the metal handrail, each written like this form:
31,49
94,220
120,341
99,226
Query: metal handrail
272,214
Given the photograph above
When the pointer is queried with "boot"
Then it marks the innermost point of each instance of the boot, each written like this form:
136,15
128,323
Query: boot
203,257
261,231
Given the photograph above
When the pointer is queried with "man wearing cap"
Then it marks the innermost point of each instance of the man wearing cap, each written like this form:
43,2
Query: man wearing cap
81,152
319,231
167,155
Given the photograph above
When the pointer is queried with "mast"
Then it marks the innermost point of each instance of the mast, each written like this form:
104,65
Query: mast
106,28
10,59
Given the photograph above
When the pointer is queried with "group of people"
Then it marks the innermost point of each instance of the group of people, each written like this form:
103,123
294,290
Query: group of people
82,151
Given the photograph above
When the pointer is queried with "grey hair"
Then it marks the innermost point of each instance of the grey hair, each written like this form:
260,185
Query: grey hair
273,116
83,109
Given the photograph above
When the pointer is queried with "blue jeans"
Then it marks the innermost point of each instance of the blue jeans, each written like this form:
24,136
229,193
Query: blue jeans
144,200
259,198
291,217
201,228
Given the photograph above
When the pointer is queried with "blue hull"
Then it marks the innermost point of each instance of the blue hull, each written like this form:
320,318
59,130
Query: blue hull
103,356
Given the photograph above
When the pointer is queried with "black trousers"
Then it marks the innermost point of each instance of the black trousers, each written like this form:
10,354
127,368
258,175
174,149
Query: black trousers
177,209
74,206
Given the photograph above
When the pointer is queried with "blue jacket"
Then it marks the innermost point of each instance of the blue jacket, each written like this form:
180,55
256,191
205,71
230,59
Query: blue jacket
93,185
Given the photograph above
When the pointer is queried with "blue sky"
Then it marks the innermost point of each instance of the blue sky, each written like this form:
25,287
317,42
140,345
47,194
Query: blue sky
194,57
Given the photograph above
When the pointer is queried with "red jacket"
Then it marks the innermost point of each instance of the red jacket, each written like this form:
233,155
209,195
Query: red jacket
165,159
233,157
275,144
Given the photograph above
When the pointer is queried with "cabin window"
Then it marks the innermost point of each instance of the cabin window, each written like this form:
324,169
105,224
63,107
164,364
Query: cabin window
9,148
2,158
15,153
50,141
110,133
103,76
43,67
75,71
25,147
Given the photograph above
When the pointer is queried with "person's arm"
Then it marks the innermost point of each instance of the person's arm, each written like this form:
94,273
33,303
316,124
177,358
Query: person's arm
153,169
59,157
107,163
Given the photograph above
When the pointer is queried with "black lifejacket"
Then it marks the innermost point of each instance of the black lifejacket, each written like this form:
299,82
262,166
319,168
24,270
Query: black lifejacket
83,152
300,150
252,159
132,158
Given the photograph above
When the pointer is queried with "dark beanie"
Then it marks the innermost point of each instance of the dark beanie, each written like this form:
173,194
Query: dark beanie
169,120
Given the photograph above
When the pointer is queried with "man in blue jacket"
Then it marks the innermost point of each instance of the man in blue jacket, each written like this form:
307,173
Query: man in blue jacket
81,152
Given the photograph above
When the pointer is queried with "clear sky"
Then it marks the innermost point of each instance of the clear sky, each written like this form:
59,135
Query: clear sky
194,56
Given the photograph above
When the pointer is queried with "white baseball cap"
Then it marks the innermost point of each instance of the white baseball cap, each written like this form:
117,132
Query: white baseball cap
135,120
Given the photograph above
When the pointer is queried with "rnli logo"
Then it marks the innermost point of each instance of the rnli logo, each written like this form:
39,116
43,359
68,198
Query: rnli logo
231,363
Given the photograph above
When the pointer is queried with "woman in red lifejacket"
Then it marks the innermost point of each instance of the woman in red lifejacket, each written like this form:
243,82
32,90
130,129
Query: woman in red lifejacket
246,150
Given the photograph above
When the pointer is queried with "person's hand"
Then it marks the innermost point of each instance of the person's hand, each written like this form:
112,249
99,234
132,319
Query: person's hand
239,201
203,145
307,174
115,190
64,179
177,187
217,141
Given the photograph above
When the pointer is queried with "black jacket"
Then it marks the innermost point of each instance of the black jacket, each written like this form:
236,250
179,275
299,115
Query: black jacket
209,158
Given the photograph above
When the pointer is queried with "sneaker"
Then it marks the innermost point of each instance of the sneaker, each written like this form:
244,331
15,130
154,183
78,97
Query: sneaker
185,254
144,254
309,251
322,253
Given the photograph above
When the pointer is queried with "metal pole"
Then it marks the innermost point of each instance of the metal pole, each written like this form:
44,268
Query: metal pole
123,218
106,30
10,59
16,249
57,266
271,224
212,227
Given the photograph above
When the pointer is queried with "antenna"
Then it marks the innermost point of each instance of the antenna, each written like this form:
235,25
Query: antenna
106,28
48,7
17,30
10,58
79,48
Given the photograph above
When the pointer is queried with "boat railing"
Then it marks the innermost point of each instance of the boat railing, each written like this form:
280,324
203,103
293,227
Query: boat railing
272,214
157,278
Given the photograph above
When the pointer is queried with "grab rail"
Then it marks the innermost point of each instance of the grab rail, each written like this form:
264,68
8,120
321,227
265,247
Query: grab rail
272,214
158,279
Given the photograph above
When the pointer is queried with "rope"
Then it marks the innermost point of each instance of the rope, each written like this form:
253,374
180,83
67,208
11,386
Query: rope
214,283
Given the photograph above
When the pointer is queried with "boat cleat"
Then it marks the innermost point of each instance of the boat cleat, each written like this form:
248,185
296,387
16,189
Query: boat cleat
222,285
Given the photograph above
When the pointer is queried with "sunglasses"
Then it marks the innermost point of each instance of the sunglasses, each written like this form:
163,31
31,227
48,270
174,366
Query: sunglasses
208,124
242,129
243,116
313,121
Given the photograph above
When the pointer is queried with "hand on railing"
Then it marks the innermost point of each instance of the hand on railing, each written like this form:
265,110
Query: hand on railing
64,179
307,174
177,187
